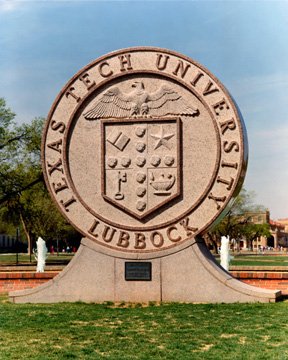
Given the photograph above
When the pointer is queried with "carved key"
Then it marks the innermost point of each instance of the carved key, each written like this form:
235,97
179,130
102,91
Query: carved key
121,178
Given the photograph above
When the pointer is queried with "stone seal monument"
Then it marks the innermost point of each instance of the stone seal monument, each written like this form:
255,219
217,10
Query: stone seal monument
143,151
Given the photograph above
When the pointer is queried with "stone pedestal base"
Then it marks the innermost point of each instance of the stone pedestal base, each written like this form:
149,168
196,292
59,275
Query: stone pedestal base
190,275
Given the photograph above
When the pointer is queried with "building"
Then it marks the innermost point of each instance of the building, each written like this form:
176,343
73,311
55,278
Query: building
284,241
7,241
278,230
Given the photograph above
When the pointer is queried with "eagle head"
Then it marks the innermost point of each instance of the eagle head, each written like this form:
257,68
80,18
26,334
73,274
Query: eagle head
138,85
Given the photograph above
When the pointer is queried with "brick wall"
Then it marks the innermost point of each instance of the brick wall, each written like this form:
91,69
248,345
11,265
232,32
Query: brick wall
26,280
269,284
21,281
266,280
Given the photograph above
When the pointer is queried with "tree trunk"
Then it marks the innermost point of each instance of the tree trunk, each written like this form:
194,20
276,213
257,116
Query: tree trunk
209,239
28,235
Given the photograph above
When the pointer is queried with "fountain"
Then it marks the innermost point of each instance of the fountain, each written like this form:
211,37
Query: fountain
40,254
225,253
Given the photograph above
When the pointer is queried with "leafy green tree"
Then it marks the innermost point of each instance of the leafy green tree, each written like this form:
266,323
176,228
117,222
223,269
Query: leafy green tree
237,223
24,199
6,118
38,215
252,231
20,154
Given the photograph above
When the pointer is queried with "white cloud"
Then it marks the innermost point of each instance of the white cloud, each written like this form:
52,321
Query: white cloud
273,139
7,5
253,85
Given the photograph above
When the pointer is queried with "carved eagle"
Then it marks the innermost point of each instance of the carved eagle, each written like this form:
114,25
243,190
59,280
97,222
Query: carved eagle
116,104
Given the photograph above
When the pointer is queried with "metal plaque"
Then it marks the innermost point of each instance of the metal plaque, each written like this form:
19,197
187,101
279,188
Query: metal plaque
140,271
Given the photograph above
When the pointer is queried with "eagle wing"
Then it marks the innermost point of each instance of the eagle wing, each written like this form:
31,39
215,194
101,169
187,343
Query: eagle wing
167,101
113,103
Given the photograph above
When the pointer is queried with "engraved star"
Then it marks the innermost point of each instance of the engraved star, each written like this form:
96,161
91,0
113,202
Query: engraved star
162,139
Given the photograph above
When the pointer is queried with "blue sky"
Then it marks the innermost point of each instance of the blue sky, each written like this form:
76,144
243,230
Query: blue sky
243,43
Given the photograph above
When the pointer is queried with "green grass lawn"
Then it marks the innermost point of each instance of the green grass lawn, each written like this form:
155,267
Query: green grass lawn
265,260
64,258
260,260
168,331
24,259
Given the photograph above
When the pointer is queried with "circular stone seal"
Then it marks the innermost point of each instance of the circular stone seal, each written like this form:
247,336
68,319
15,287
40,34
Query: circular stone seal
142,150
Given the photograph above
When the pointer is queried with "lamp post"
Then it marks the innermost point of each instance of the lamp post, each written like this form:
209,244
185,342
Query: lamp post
17,243
238,242
233,241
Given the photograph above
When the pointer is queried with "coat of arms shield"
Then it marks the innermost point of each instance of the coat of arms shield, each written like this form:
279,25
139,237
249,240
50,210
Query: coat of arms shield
141,163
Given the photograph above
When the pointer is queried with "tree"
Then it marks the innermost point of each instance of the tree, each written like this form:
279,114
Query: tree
20,158
253,231
6,118
237,223
24,199
38,215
